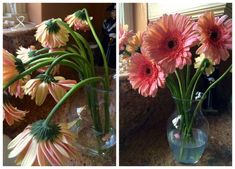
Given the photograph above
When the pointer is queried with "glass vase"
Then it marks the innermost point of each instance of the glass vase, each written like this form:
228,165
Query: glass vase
187,131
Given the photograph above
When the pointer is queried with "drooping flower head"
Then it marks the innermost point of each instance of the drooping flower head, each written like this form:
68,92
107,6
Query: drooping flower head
11,66
215,35
43,145
38,88
124,36
168,40
51,34
134,43
209,68
145,75
78,21
25,53
11,114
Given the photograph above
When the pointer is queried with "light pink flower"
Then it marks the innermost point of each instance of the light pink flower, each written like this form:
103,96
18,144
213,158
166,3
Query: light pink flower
168,40
145,75
31,151
39,89
124,36
215,35
12,114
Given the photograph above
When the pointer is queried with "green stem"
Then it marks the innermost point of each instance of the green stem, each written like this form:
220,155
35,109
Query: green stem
41,50
43,56
187,76
180,85
204,95
69,93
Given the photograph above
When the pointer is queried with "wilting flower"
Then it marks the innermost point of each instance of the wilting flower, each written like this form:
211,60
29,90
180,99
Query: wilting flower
134,43
12,114
53,148
145,75
78,21
198,61
168,40
24,53
124,36
11,66
16,88
215,35
38,88
51,34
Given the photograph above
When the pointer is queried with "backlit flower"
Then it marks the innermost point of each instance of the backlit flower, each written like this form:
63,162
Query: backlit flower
145,75
51,34
134,43
12,114
215,35
78,21
168,40
55,148
11,66
16,89
124,36
38,88
198,61
24,53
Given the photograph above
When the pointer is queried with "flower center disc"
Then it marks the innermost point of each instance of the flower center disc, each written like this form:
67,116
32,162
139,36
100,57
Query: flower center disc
171,44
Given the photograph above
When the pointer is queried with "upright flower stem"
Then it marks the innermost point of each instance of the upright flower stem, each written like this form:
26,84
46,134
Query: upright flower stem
106,95
69,93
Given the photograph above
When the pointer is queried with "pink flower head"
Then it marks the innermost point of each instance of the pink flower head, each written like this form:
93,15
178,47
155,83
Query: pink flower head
145,75
215,35
124,36
168,40
78,21
38,89
12,114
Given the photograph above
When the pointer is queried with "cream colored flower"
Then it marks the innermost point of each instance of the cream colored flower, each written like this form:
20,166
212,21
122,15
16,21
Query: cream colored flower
51,34
198,61
12,114
39,89
55,151
24,53
134,43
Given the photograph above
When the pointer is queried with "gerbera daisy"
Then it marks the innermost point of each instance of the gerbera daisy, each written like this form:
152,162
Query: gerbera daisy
38,88
215,35
11,66
168,40
24,54
12,114
43,145
78,21
198,61
124,36
134,43
145,75
51,34
16,88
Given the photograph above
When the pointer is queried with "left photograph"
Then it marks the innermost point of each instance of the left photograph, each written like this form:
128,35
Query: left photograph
59,84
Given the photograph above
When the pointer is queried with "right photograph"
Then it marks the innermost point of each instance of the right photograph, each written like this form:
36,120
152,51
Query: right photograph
175,68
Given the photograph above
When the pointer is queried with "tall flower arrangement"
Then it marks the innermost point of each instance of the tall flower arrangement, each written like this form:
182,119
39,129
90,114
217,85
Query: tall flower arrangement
161,56
45,142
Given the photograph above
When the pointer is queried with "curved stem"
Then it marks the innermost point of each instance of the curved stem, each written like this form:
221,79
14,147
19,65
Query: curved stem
180,84
43,56
69,93
41,50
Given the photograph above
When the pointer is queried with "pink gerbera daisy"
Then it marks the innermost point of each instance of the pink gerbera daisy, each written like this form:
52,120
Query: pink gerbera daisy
168,40
124,36
145,75
215,36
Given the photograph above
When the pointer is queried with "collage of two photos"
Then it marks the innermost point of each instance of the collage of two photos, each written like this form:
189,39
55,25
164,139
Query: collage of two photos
61,66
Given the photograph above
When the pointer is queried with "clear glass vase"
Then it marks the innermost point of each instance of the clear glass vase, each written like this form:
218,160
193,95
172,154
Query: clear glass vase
187,131
96,135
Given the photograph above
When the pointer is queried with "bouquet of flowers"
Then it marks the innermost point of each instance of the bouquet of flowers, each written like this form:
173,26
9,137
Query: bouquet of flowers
33,72
161,56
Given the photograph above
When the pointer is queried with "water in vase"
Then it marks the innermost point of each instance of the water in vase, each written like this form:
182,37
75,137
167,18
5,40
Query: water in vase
192,150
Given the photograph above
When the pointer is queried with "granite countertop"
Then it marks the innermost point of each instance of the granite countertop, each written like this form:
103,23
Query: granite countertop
149,146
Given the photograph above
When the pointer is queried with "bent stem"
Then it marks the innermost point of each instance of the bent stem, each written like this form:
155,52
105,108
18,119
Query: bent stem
69,93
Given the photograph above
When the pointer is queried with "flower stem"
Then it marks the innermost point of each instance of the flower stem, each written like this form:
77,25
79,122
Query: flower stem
41,50
69,93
